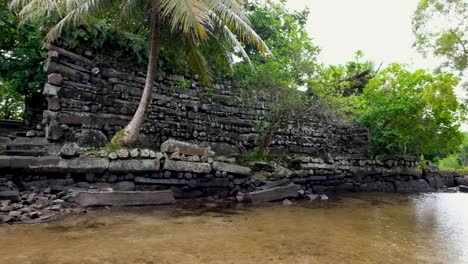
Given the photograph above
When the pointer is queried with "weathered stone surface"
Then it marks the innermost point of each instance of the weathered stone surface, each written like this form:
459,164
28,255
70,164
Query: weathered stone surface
413,186
5,162
9,195
50,90
55,79
196,167
123,153
461,181
463,188
84,165
171,146
124,198
231,168
143,180
272,184
125,186
377,186
69,150
273,194
133,165
90,138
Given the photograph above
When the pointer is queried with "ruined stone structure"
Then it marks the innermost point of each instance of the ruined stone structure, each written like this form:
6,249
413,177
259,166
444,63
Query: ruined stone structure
86,104
90,101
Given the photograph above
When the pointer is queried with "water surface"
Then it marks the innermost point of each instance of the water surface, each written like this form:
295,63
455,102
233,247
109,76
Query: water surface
357,228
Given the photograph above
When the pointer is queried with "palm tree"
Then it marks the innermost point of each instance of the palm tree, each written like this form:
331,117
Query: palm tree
194,21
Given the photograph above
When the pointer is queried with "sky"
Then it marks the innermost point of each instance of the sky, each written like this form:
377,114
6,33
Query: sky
380,28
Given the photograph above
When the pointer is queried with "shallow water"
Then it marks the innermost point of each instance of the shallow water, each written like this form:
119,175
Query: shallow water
358,228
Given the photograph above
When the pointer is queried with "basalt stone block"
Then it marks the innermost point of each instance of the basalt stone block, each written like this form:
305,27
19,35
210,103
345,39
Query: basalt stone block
232,168
187,166
134,165
9,195
53,131
55,79
50,90
90,138
84,165
53,103
273,194
5,162
377,186
69,150
143,180
120,198
171,146
413,186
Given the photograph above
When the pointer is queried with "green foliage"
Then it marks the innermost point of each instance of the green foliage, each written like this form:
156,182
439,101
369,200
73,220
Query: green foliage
280,75
457,161
411,112
441,27
336,86
21,61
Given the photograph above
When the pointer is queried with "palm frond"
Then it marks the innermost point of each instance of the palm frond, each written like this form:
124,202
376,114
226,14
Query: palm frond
190,16
238,24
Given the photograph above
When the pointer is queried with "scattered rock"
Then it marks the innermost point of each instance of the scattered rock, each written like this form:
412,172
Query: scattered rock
122,153
134,153
113,156
312,197
124,198
69,150
286,202
323,197
463,188
273,194
185,148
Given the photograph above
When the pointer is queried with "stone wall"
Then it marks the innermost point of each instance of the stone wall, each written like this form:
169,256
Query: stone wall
86,101
193,171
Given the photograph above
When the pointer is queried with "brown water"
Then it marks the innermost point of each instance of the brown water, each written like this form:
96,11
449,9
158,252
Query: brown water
359,228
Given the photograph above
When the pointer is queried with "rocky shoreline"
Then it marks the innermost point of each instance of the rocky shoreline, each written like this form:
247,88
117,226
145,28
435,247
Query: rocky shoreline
44,206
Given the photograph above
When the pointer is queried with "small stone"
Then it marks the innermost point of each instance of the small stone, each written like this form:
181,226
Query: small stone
56,207
323,197
175,156
69,150
134,153
152,154
122,153
113,156
286,202
145,153
312,197
58,201
103,153
240,197
15,214
34,215
6,208
112,178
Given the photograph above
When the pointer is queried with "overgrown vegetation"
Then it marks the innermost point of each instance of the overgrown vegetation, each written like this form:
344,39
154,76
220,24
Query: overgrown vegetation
407,112
21,61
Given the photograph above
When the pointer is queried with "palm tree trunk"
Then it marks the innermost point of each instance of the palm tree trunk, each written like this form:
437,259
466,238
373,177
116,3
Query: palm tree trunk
132,130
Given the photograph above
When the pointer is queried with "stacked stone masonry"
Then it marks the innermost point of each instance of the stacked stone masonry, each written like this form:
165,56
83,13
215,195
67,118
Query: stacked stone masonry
98,101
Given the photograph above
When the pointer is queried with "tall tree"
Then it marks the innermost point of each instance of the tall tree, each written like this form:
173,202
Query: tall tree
411,113
441,28
191,22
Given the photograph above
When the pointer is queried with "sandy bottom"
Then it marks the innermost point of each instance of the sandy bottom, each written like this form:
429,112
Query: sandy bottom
358,228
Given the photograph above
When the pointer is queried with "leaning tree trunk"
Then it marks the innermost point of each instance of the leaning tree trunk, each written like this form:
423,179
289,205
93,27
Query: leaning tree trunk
129,135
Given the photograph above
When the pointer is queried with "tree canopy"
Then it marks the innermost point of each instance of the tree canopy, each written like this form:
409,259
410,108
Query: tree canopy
441,27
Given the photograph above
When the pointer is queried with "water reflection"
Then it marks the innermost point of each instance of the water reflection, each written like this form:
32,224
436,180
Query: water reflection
358,228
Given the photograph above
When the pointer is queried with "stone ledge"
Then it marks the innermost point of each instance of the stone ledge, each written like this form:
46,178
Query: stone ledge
124,198
187,166
134,165
231,168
